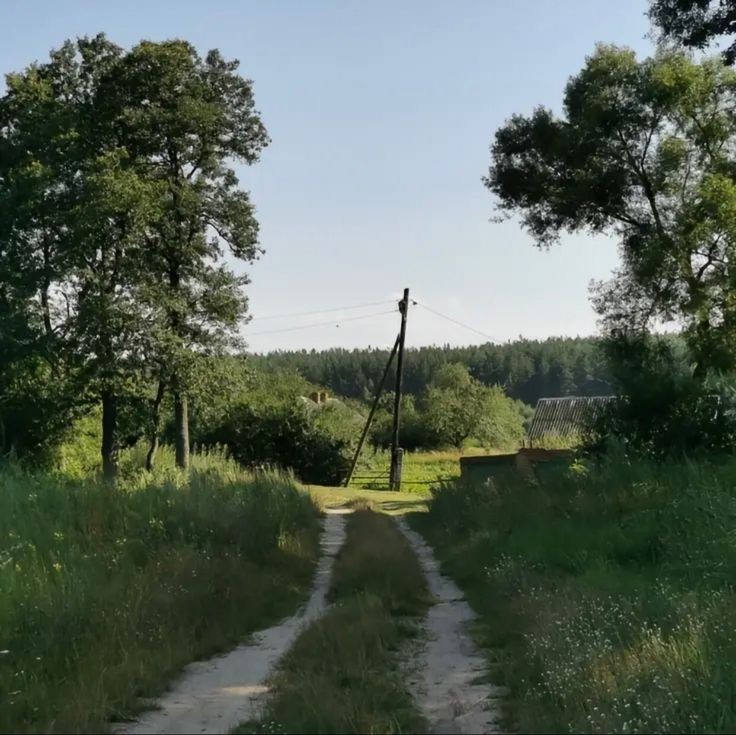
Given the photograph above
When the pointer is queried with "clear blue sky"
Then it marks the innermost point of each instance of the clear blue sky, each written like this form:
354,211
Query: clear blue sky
381,115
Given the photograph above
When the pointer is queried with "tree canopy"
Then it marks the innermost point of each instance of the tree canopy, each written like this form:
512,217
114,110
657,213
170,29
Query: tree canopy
117,202
526,369
458,407
697,23
643,151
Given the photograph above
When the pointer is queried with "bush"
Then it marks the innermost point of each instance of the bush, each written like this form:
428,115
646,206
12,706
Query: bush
269,423
285,436
36,409
663,408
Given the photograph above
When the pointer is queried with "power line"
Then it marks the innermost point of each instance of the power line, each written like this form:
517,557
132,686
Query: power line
322,324
455,321
322,311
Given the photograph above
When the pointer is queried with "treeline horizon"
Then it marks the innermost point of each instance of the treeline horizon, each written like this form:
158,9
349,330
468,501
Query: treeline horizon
527,369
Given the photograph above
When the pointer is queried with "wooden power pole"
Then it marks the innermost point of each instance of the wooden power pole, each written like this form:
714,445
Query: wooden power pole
396,452
368,423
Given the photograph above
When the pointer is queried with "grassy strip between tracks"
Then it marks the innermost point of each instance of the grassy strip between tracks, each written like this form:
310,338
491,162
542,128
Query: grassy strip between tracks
343,674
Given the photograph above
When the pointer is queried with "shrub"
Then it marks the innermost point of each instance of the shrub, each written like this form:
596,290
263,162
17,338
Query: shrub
284,436
663,408
269,423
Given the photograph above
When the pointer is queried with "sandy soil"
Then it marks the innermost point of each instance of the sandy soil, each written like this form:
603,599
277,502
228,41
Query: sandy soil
450,680
216,695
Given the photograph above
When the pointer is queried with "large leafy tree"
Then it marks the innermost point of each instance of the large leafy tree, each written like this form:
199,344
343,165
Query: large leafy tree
115,201
183,121
67,221
644,151
697,23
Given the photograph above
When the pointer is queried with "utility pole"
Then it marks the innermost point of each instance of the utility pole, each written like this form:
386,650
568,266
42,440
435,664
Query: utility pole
368,423
396,451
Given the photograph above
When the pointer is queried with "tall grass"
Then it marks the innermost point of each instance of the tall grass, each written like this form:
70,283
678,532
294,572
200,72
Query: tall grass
106,592
607,592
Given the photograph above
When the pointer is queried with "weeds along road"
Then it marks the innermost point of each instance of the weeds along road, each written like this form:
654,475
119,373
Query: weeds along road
382,645
215,696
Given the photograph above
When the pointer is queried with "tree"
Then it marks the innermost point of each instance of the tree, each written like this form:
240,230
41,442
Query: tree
458,407
526,369
115,202
183,119
70,215
108,329
696,23
643,152
662,408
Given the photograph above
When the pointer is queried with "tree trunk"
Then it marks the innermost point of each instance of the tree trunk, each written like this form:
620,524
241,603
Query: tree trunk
181,419
109,438
155,425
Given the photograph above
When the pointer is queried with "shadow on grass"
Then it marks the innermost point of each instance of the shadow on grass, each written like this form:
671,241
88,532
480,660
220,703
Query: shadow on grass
405,506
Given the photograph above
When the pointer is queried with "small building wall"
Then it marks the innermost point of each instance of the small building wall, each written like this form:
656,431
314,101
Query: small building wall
525,461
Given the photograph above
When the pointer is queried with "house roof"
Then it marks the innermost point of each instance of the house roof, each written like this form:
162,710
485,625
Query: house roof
566,415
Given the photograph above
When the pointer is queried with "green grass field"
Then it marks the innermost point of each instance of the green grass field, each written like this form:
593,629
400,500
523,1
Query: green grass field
421,470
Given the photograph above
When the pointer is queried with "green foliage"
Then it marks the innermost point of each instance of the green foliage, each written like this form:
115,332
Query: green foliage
663,409
117,204
272,424
606,592
184,119
454,408
458,407
415,432
643,152
36,408
527,369
78,455
107,592
696,23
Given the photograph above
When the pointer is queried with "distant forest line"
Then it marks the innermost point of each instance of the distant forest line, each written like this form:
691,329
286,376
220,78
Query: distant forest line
526,369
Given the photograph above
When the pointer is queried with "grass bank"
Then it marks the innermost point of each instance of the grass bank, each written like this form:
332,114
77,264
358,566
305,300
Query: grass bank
342,674
106,593
606,594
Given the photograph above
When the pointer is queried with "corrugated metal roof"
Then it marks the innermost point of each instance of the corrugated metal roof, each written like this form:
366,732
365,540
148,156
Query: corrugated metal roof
565,416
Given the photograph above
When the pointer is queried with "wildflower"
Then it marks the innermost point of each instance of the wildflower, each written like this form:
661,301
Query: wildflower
56,566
